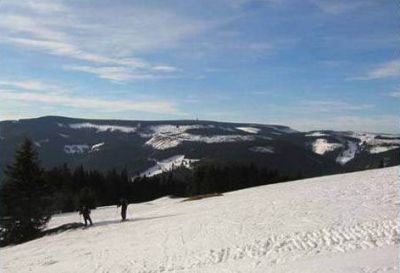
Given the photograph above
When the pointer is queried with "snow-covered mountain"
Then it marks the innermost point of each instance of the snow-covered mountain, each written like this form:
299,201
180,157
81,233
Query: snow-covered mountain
149,147
342,224
347,146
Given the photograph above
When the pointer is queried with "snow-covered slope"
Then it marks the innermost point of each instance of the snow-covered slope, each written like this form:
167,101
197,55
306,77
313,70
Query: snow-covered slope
341,223
169,164
101,127
164,137
321,146
349,144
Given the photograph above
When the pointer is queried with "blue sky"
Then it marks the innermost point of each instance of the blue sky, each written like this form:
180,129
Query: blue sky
312,64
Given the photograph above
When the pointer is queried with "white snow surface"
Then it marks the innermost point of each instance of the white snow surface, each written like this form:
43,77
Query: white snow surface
262,149
321,146
251,130
169,164
103,127
76,148
341,223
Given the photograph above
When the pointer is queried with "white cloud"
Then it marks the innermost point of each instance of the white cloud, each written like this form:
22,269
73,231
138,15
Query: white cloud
385,70
122,73
165,68
329,106
39,6
13,116
32,85
29,26
378,123
164,107
395,94
340,6
99,38
69,50
239,3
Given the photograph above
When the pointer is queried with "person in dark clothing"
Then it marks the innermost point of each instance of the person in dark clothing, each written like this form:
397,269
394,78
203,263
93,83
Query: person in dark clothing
85,211
124,206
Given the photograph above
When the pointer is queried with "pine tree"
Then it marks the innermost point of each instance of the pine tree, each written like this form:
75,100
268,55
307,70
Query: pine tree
25,199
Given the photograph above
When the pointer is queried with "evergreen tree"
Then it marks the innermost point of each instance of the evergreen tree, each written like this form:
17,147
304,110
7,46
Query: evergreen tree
25,198
87,198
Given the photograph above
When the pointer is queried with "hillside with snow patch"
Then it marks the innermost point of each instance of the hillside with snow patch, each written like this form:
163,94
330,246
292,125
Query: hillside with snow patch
138,146
340,223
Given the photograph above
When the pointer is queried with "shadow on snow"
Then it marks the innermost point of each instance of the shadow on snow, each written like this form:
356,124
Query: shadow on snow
71,226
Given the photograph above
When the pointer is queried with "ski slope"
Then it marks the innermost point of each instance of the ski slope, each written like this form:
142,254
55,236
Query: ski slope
341,223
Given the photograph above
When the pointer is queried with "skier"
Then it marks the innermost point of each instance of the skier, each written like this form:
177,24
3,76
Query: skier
124,205
85,211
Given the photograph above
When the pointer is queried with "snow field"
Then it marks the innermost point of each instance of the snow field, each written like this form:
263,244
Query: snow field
340,223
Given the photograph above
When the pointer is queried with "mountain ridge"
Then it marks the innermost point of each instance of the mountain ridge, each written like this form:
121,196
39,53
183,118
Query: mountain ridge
138,144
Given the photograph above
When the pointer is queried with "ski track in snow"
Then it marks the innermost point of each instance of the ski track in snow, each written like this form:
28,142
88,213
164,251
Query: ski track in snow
290,246
341,223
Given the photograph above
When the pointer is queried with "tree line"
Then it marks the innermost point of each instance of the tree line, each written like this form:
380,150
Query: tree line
30,195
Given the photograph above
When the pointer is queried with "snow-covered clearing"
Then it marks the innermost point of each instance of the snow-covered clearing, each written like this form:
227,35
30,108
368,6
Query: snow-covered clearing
164,137
378,143
316,134
347,154
382,149
360,142
341,223
251,130
96,147
321,146
103,127
376,139
82,148
76,148
163,141
169,164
